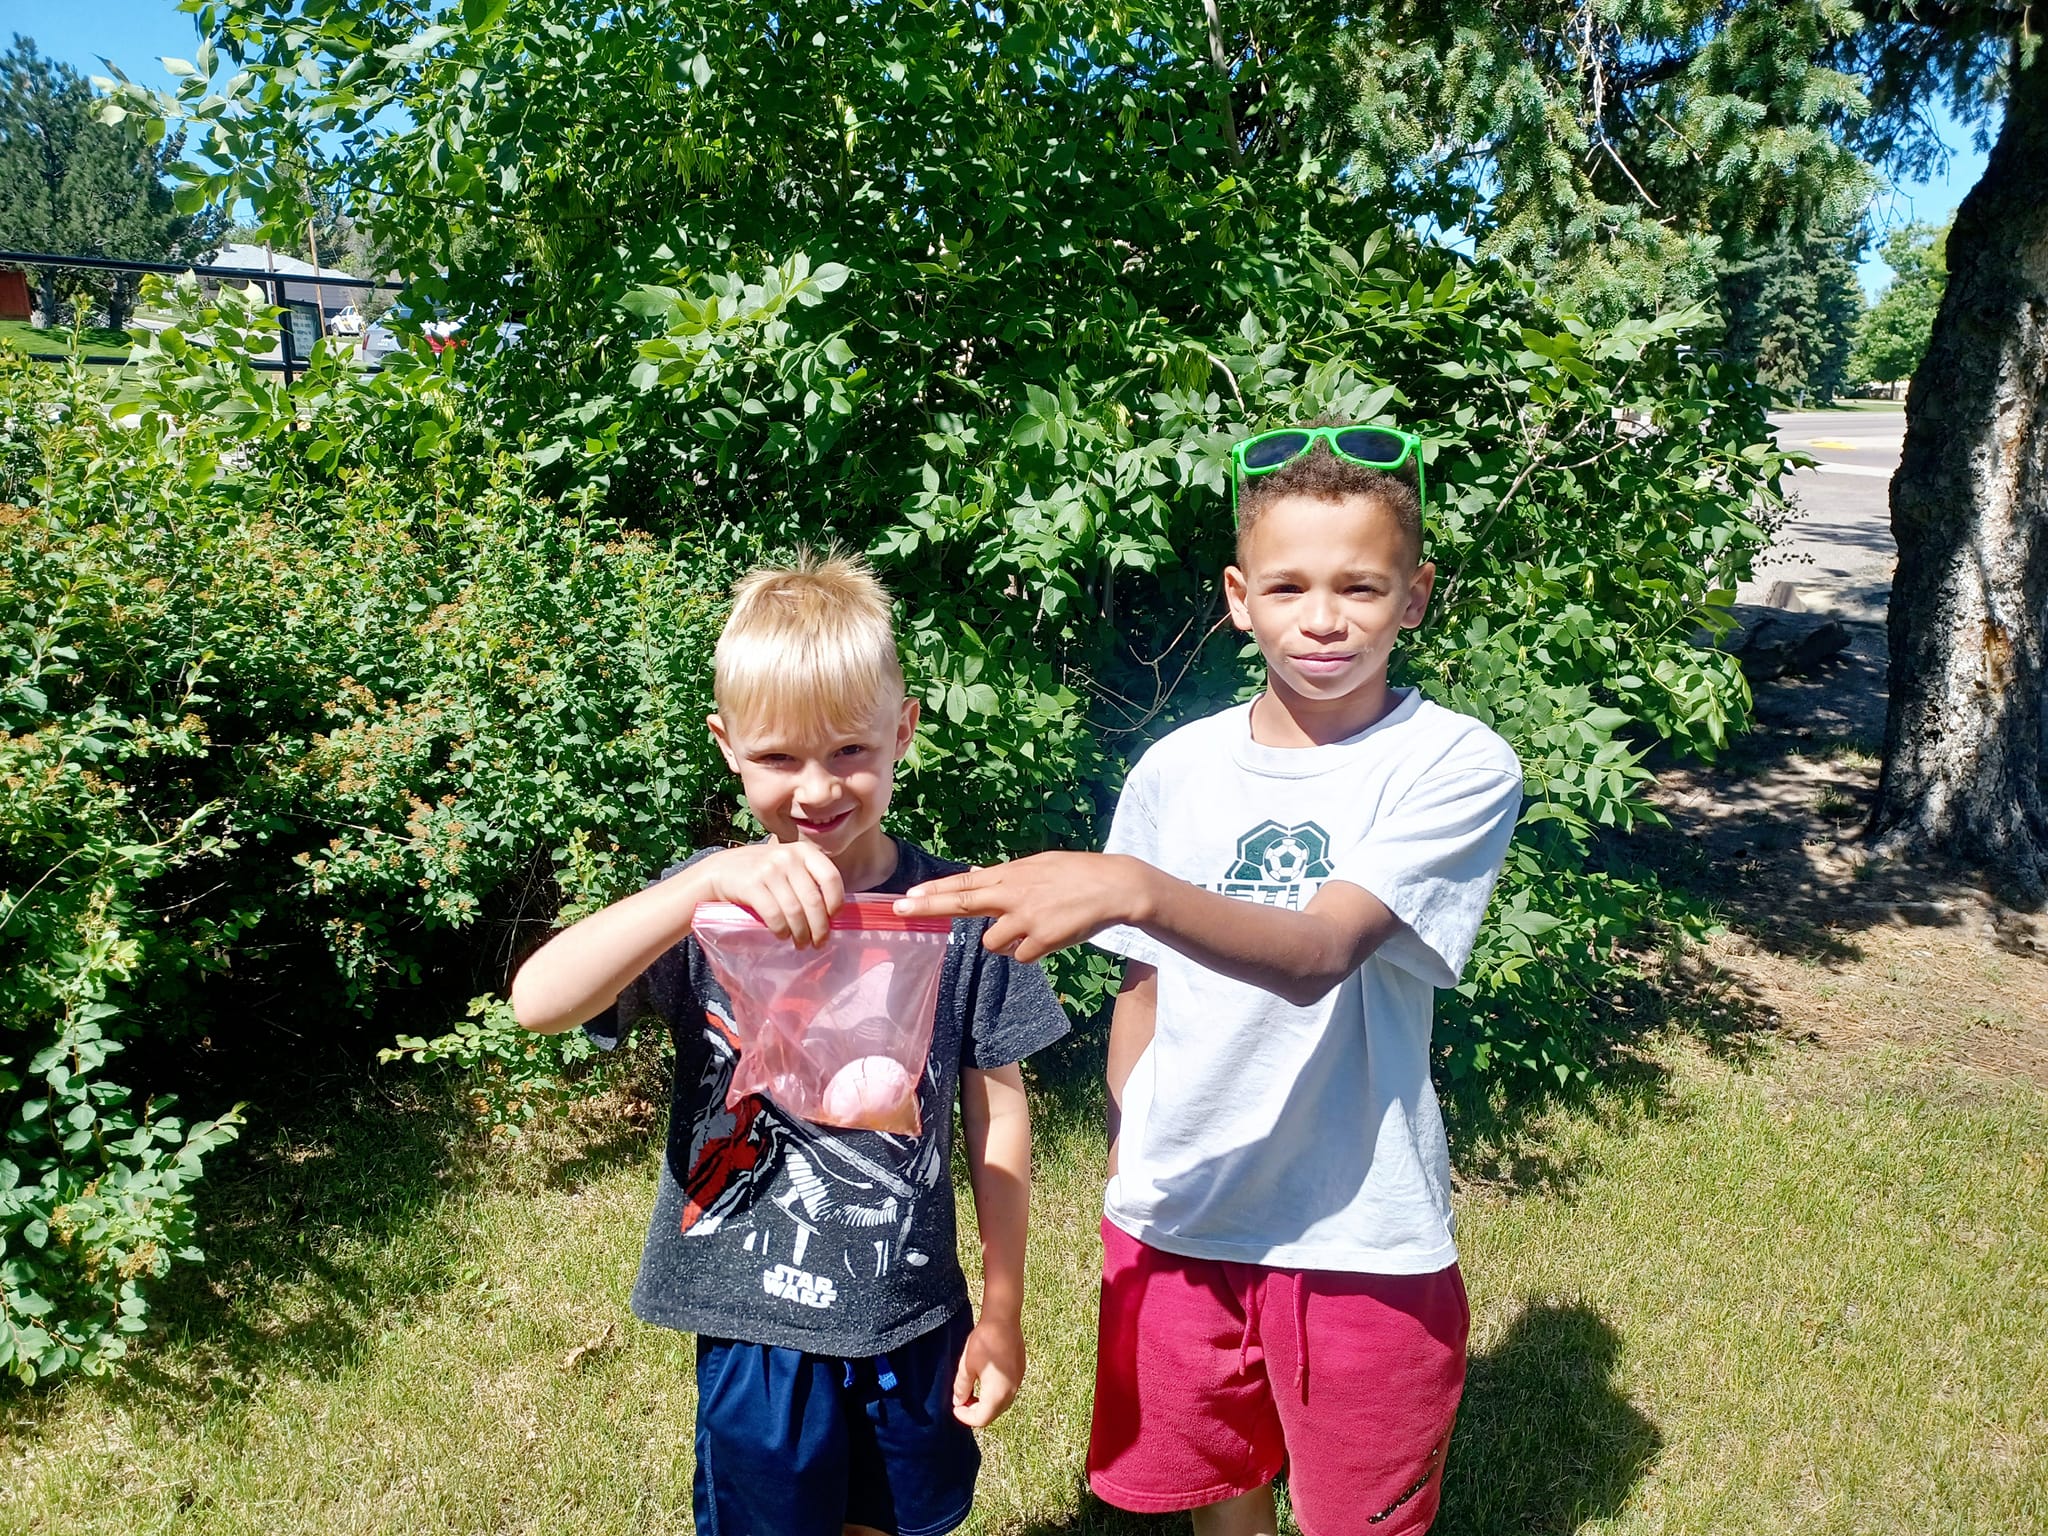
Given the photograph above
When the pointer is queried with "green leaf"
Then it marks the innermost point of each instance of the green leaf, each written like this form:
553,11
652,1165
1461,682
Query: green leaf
652,302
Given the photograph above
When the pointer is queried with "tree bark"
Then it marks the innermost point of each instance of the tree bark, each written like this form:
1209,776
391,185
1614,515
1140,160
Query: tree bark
1963,749
1220,58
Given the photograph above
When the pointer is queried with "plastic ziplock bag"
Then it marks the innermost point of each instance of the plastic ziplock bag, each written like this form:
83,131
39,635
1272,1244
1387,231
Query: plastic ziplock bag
836,1035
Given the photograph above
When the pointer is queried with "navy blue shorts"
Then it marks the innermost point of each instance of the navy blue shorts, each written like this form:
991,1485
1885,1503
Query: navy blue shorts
790,1444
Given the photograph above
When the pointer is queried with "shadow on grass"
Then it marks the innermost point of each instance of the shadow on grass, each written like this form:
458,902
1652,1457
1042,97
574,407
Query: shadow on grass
332,1218
1773,832
1066,1081
1501,1129
321,1224
1545,1441
338,1214
622,1124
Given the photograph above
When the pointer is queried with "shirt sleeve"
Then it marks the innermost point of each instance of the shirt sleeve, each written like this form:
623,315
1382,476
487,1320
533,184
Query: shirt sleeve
656,990
1134,830
1434,862
1011,1011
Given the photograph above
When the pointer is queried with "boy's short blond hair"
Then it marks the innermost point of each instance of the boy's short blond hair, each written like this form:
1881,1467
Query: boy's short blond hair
809,647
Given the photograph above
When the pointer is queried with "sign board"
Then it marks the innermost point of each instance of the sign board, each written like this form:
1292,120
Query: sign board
305,323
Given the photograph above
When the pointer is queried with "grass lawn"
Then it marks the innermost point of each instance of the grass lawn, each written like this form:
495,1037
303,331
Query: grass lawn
1767,1289
97,341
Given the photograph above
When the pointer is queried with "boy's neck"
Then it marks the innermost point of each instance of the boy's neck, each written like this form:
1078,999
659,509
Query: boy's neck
868,861
1281,717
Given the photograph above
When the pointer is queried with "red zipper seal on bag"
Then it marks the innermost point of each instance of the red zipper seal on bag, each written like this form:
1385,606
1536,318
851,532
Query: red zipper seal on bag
864,913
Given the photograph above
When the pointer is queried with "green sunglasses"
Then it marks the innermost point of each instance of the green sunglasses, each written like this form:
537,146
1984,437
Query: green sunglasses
1372,447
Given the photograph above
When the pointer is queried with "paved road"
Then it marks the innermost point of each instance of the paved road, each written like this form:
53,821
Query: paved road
1838,550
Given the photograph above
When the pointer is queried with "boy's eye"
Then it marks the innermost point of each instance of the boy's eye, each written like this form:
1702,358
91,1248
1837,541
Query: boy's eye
855,749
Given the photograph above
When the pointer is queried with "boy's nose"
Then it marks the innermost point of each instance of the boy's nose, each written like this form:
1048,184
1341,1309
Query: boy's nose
1320,615
816,785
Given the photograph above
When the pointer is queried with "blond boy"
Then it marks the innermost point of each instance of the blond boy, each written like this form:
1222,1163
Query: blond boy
840,1372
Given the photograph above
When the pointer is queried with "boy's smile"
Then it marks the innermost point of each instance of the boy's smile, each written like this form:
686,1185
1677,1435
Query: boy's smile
828,788
1325,589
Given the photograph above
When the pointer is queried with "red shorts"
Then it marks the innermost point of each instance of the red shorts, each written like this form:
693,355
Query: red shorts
1212,1376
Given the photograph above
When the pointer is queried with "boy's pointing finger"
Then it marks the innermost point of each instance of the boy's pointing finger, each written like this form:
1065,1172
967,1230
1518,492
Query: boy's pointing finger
963,895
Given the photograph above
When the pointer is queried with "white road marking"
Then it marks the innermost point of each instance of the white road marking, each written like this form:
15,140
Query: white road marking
1873,471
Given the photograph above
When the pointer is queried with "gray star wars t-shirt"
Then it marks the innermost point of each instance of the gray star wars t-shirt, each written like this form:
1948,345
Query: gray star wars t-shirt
773,1230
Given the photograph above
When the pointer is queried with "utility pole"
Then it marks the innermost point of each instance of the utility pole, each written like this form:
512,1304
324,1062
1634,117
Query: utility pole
319,293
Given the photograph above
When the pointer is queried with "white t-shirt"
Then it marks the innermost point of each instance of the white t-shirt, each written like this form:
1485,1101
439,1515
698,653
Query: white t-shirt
1309,1137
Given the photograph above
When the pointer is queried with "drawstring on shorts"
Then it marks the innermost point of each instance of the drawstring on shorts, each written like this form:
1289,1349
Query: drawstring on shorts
885,1374
1251,1327
1301,1334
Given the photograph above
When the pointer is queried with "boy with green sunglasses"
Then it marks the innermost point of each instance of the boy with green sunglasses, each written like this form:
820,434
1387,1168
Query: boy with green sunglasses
1289,881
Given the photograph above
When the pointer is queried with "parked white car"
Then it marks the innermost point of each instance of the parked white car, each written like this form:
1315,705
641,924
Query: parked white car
346,321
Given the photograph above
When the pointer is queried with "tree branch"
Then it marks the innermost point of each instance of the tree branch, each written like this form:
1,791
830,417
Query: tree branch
1221,60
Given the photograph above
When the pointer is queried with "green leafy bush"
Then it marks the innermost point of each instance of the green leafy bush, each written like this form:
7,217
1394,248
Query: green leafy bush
94,1197
986,294
269,723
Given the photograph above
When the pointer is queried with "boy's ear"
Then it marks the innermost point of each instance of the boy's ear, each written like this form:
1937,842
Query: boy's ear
906,726
1420,586
717,728
1235,588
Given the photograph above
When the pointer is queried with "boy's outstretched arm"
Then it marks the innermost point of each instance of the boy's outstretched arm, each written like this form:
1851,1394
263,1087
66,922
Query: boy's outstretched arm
581,971
1051,900
995,1122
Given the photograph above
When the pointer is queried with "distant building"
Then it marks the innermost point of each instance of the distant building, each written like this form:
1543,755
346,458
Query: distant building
290,267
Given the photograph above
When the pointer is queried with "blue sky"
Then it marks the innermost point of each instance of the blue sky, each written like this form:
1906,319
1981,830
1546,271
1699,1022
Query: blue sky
1928,202
135,33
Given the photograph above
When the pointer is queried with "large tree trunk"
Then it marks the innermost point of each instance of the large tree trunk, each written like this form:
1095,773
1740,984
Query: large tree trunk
1969,607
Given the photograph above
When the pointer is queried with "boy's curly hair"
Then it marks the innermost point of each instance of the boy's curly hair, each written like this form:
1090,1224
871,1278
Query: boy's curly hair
1320,474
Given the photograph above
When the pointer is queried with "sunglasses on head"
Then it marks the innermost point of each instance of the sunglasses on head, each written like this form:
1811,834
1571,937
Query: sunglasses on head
1372,447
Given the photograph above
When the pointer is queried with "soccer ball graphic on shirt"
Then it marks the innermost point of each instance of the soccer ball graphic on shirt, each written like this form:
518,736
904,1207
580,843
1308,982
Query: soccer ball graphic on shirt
1274,854
1286,860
